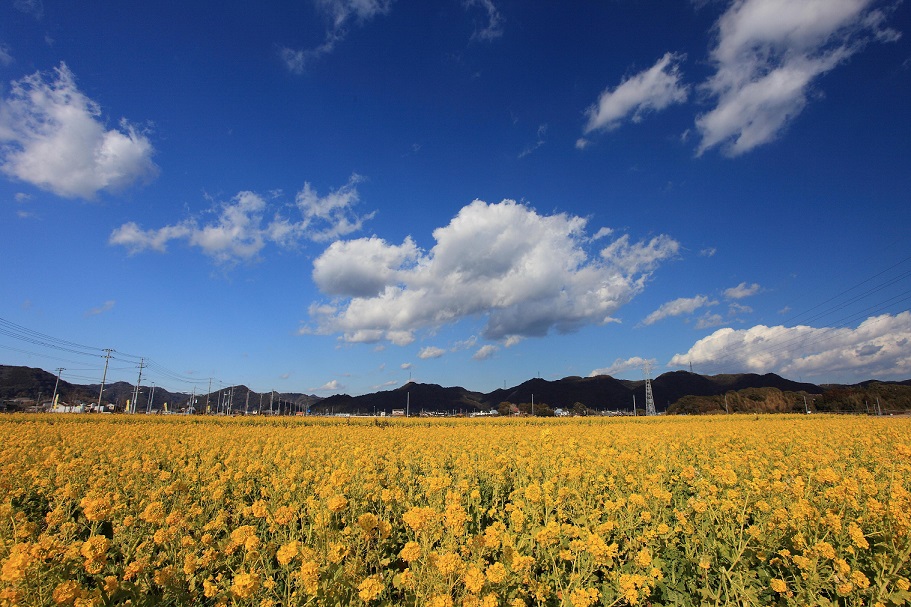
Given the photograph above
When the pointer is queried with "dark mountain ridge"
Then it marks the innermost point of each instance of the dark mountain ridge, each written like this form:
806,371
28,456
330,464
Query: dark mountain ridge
600,393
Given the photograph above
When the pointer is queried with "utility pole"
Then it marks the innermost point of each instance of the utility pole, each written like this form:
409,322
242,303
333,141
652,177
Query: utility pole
271,396
533,403
726,410
634,405
56,383
136,391
104,376
247,406
260,410
151,396
806,407
407,404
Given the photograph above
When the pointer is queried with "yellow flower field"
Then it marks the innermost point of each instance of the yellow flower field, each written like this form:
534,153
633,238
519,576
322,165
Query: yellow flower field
788,510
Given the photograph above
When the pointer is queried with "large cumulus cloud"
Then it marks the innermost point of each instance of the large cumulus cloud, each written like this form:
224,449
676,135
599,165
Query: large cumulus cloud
526,274
878,347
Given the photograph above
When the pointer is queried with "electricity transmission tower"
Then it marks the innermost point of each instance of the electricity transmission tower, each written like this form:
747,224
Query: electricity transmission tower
649,397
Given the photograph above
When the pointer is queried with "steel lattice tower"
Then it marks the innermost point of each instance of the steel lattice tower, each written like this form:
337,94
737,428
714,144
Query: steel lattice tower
649,397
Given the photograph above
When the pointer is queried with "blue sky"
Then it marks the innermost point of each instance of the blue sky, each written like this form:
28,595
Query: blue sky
338,195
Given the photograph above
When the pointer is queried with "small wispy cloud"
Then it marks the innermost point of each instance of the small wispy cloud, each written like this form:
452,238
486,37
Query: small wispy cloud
431,352
105,307
651,90
709,320
330,386
485,352
542,131
492,28
35,8
741,291
386,384
735,308
341,15
678,307
620,365
5,56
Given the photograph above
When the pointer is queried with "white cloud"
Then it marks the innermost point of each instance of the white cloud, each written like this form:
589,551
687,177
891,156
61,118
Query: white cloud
465,344
431,352
709,320
323,218
678,307
329,386
105,307
513,340
602,233
485,352
242,228
735,308
363,267
768,53
708,252
35,8
493,28
878,347
5,57
340,14
653,89
524,273
406,366
52,137
542,131
741,291
620,365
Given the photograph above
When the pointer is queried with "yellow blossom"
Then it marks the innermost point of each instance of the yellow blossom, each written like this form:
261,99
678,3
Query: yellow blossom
496,573
244,585
370,589
287,552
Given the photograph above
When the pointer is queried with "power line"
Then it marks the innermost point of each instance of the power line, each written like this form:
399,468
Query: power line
21,333
822,333
153,368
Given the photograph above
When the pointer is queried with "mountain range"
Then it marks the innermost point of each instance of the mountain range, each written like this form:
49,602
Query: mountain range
20,387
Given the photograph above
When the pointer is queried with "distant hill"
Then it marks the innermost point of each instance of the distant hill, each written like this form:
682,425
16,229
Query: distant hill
26,384
671,387
676,391
601,393
417,396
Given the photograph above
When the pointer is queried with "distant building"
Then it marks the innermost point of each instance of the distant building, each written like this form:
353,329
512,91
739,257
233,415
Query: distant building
65,408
